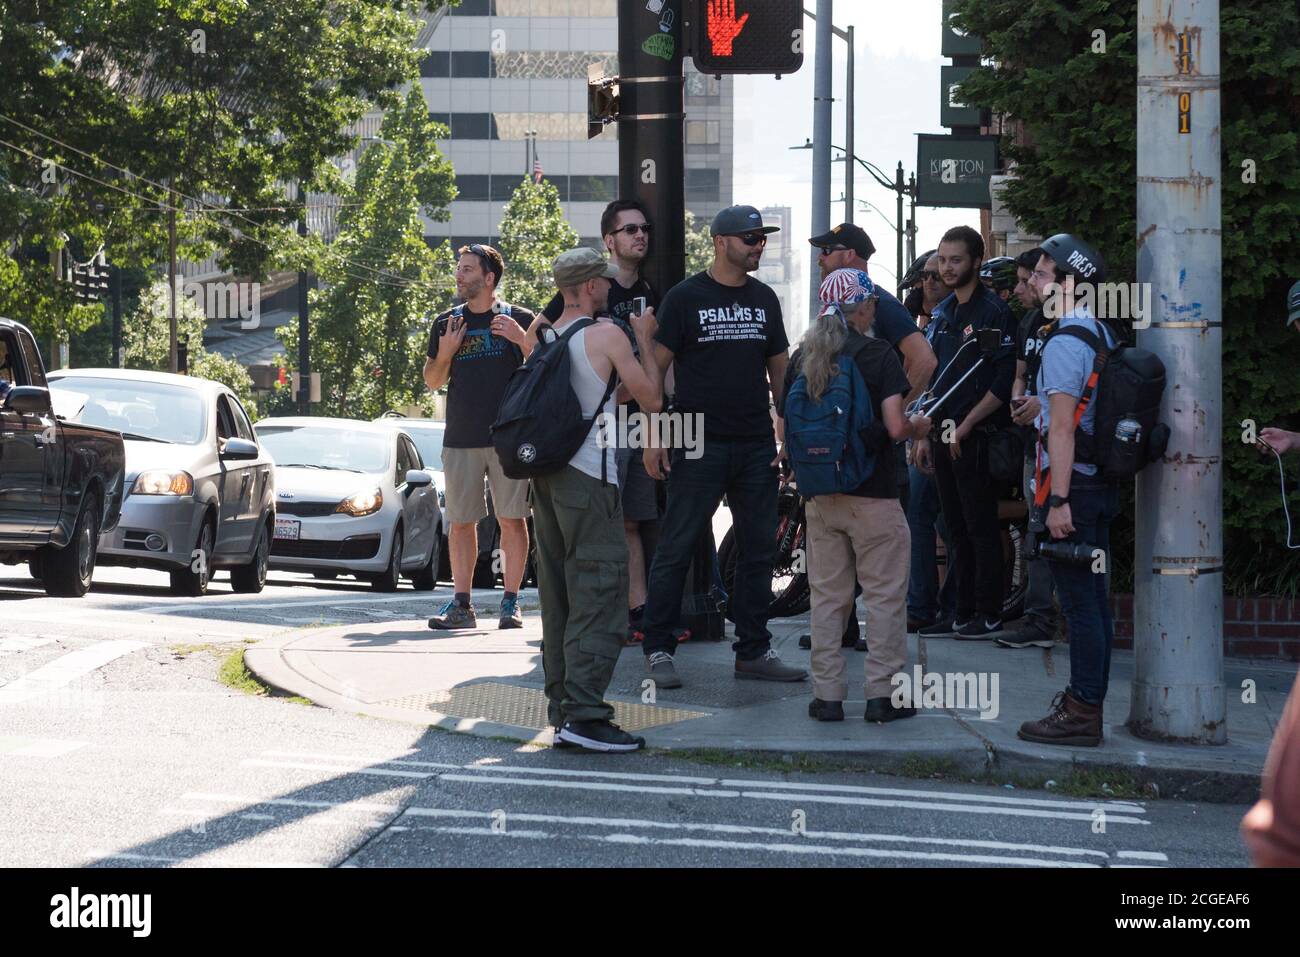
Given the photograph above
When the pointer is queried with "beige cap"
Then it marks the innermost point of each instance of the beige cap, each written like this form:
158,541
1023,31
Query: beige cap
577,266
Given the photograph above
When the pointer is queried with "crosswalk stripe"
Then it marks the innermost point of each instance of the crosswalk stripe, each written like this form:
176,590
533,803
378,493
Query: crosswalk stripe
18,643
335,769
65,669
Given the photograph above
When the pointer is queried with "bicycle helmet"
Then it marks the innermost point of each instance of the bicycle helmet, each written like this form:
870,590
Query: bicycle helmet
999,273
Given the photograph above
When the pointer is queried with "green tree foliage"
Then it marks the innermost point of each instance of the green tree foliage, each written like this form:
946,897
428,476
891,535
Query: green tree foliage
370,323
699,246
220,98
533,232
146,342
1076,171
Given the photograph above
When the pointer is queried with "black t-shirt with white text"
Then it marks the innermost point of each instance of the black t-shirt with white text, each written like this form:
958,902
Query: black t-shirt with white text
721,338
479,372
883,373
1029,346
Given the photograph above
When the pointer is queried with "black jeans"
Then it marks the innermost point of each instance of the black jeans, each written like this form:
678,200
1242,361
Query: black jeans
970,510
740,469
1084,590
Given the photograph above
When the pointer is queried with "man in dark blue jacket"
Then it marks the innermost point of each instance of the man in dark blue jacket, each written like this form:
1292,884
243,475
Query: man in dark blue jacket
960,460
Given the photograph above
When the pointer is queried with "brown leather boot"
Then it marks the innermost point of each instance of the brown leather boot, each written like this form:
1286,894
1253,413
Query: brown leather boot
1071,722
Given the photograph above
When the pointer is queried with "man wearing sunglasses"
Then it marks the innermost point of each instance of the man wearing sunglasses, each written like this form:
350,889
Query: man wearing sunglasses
626,230
723,333
473,349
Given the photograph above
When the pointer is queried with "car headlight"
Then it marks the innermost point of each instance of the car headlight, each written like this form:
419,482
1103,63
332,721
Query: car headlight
363,503
163,482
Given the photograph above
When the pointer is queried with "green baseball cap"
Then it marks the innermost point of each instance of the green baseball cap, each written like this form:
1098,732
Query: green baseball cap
580,265
1293,304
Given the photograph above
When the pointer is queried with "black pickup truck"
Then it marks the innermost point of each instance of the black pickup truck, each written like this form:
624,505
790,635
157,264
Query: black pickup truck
60,482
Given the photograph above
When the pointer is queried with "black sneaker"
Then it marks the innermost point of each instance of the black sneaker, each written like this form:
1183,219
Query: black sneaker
882,709
558,743
826,710
805,642
979,629
1028,635
943,628
599,736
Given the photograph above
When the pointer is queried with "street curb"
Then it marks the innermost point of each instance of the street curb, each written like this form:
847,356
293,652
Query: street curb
267,663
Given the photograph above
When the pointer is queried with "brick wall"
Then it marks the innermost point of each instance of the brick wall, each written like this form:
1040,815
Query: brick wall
1252,627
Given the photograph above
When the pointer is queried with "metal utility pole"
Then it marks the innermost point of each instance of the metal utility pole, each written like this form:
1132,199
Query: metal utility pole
173,358
304,333
899,188
117,317
651,142
821,171
849,111
911,222
1178,690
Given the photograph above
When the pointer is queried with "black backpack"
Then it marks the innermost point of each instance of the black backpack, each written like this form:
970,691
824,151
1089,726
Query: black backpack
1127,383
540,425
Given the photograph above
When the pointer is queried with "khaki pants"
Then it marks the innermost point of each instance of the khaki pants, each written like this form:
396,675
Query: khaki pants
869,535
582,590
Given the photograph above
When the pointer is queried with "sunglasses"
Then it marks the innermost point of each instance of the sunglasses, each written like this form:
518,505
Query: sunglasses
631,229
931,274
751,239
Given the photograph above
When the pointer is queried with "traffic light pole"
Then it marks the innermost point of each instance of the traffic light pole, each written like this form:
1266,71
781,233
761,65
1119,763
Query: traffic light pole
1178,691
651,144
821,171
116,281
304,342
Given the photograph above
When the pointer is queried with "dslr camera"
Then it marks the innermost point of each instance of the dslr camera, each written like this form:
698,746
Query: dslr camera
1042,545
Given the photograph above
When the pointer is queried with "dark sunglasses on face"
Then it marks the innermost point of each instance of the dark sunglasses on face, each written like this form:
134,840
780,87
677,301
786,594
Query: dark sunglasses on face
930,274
631,229
751,239
827,250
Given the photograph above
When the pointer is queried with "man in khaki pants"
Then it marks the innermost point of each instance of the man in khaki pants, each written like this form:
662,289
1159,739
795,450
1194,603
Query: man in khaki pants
861,535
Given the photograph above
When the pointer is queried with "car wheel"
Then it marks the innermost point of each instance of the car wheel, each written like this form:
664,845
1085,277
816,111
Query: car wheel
389,579
193,580
251,578
67,572
34,566
426,579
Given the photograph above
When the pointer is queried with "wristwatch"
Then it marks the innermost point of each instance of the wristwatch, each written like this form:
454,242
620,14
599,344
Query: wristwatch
1056,501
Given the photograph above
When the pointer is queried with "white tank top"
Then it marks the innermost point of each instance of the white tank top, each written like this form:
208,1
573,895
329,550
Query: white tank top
590,388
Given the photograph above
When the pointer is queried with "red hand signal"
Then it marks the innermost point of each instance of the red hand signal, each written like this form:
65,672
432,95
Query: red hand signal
723,26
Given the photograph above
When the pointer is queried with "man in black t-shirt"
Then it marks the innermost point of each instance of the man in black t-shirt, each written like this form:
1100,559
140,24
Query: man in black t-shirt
627,230
859,538
473,349
722,331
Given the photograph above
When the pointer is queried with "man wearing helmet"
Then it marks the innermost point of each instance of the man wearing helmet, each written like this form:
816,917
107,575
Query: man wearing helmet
999,274
1081,504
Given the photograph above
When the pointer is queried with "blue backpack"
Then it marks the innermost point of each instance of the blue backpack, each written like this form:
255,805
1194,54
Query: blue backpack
824,437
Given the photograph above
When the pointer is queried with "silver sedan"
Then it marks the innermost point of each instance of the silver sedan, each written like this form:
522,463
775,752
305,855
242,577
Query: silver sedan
200,490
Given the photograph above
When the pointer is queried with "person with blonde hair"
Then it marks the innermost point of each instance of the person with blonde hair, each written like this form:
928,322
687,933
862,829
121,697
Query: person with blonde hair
857,532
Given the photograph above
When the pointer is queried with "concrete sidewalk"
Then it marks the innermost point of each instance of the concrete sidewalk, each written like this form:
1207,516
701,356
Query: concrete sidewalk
489,682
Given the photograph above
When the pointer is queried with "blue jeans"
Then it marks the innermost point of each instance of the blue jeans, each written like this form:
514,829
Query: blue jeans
1084,594
740,469
925,600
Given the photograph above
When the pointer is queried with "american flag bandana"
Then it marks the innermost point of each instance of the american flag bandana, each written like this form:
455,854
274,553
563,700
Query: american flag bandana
845,286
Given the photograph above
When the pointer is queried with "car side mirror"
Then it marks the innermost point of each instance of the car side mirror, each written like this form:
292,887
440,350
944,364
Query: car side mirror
28,400
239,450
418,478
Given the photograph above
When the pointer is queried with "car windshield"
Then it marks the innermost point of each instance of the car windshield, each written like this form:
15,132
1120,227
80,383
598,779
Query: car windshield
139,409
429,442
309,446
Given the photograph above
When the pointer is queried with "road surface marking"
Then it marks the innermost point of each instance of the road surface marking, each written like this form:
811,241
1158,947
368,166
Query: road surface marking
335,769
1143,855
748,829
65,669
587,785
369,807
808,849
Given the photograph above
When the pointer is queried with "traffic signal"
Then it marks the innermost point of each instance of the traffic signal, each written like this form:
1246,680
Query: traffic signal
89,280
745,36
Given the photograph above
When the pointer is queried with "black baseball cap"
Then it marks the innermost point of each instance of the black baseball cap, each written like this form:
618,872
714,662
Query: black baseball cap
737,220
847,235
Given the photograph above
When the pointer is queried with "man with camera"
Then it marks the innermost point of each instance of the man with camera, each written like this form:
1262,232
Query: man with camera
1073,503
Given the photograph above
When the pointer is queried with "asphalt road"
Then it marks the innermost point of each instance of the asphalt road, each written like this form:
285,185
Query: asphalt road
119,747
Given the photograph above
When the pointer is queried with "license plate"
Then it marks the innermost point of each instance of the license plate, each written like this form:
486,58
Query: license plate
287,529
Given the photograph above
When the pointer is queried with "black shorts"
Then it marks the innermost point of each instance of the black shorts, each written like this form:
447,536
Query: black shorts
640,502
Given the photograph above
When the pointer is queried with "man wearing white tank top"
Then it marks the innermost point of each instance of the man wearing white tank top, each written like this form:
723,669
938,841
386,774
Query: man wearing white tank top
578,521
